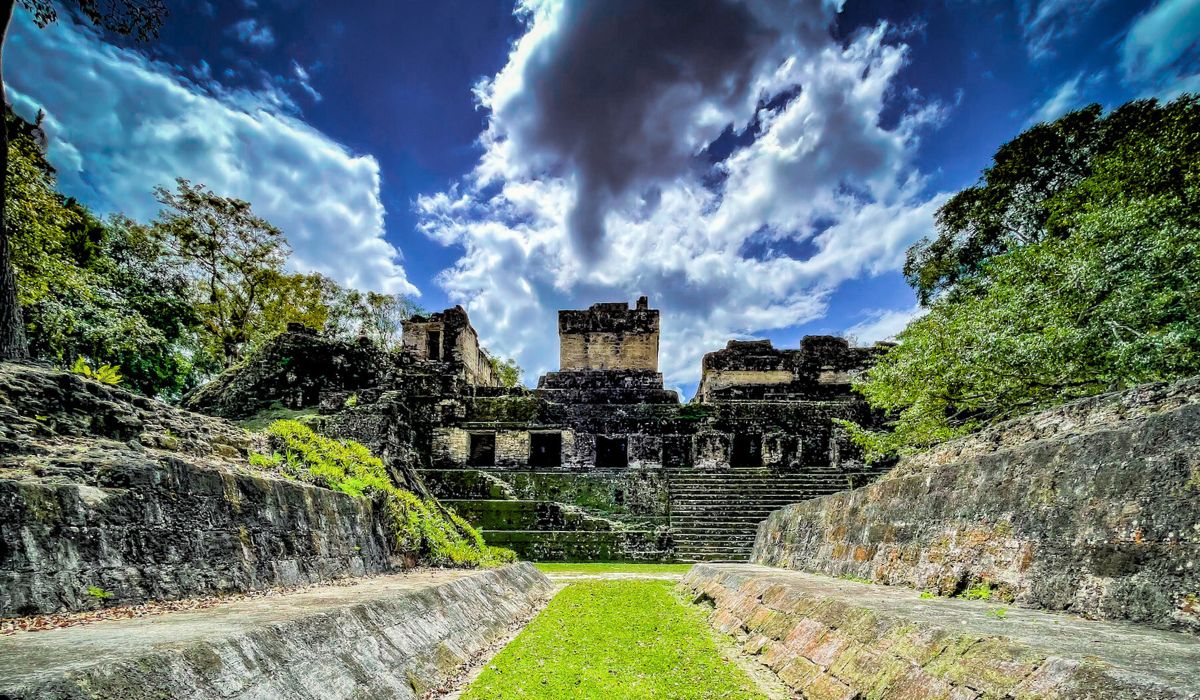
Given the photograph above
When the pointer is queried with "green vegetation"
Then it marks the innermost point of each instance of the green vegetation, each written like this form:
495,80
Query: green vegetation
421,528
856,579
998,613
105,374
926,595
171,301
263,419
611,568
507,371
1072,268
98,593
980,591
613,639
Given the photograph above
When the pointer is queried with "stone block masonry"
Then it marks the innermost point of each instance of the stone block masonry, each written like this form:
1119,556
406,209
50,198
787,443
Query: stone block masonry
392,637
1092,508
831,639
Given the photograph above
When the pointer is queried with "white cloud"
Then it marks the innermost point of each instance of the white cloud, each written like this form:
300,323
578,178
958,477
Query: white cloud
1160,49
120,124
883,324
250,32
1047,22
1064,99
1070,95
824,177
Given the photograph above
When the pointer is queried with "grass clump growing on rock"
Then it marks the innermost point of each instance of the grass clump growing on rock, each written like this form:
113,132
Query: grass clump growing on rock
420,528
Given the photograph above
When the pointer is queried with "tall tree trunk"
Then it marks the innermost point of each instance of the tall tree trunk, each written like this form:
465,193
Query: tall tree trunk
12,325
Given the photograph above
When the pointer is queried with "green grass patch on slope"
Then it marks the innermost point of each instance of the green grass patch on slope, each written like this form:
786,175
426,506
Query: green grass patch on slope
614,639
420,528
557,567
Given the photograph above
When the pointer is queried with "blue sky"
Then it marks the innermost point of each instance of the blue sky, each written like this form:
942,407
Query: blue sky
757,167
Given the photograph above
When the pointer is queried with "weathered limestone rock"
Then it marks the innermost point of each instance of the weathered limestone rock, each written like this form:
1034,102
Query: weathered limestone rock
1093,508
387,637
292,370
101,488
828,638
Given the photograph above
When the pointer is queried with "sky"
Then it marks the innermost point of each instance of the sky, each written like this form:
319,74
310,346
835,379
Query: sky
756,167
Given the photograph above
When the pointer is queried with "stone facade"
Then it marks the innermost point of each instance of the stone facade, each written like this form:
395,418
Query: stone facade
600,460
448,337
1092,507
609,336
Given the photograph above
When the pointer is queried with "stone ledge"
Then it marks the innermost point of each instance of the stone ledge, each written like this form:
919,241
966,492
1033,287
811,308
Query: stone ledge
829,638
391,636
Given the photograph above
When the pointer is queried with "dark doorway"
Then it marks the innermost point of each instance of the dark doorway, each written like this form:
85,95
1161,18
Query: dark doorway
747,450
611,452
482,450
433,345
677,451
545,449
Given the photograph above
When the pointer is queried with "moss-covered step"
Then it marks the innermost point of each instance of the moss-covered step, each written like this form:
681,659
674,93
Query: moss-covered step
575,545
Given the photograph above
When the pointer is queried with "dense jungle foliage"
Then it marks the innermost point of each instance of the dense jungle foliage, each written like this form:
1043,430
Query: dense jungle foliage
1071,268
169,302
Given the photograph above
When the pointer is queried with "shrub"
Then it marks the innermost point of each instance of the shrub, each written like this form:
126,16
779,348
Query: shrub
421,528
105,374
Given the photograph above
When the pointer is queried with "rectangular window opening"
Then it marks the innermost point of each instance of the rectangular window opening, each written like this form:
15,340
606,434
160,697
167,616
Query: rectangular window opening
482,451
545,449
433,345
612,452
747,450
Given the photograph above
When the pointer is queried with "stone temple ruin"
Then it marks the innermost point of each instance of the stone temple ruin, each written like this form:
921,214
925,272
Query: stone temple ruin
600,461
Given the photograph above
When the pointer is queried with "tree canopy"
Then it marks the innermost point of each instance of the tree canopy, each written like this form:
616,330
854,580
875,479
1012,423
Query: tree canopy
1072,268
172,301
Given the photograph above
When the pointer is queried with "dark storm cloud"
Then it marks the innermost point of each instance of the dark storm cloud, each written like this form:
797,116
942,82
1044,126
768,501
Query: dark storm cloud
624,93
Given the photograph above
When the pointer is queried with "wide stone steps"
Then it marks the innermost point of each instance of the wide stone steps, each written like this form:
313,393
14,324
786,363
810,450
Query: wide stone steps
715,515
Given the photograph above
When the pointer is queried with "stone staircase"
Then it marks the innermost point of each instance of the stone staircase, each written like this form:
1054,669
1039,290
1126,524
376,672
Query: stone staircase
715,514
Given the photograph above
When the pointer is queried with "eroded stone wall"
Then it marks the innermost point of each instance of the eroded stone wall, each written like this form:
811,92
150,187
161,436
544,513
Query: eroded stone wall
609,336
388,637
1093,508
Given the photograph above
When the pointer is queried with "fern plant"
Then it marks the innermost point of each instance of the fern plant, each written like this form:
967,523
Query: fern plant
105,374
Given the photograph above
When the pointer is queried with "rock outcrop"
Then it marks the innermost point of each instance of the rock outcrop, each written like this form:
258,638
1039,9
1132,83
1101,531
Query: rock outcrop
1092,508
108,495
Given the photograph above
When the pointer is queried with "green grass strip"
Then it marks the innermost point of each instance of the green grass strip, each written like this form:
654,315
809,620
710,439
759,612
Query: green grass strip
611,568
614,640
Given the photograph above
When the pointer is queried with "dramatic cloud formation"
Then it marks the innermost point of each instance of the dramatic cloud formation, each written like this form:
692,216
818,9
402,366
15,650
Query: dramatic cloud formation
733,162
1159,49
120,124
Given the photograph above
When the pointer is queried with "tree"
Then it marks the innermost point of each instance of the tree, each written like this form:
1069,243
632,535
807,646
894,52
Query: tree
137,18
507,371
1010,206
1105,295
234,258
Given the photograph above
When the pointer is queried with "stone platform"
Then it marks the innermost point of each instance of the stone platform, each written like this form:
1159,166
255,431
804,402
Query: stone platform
832,638
387,637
